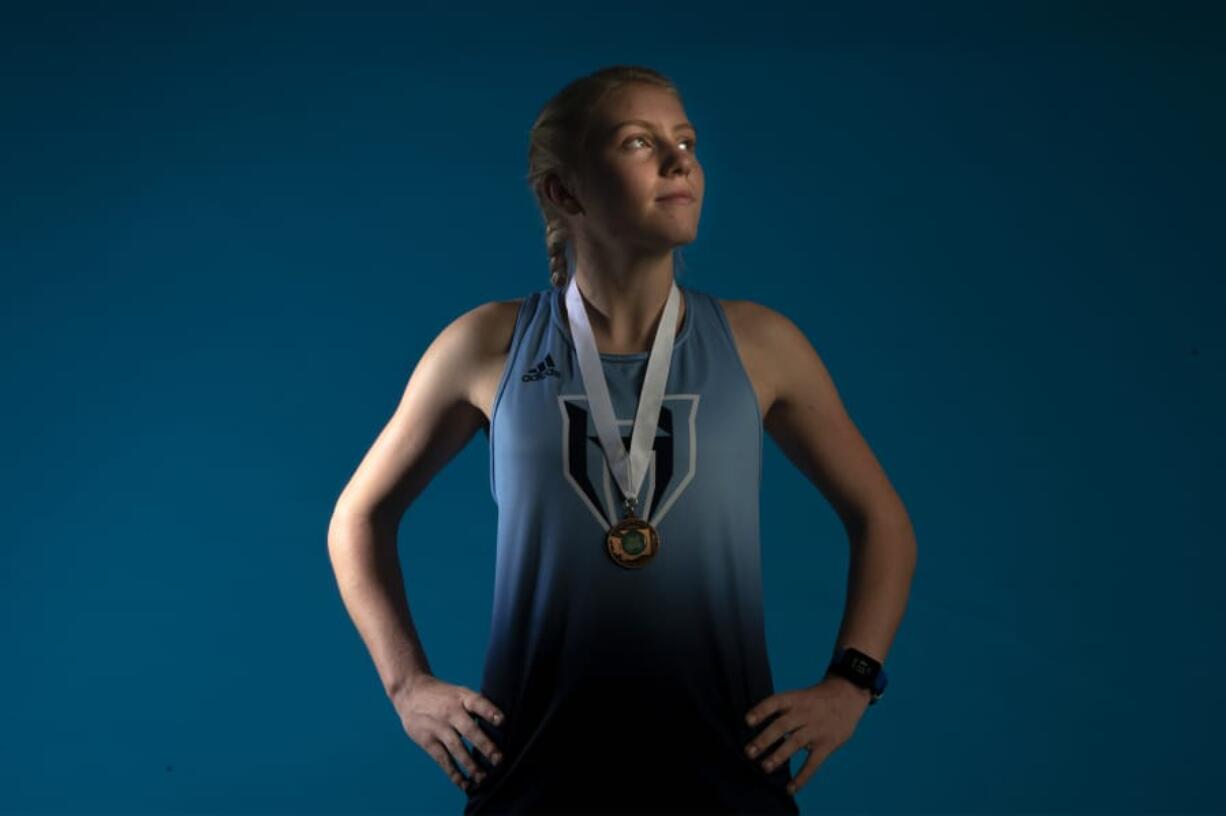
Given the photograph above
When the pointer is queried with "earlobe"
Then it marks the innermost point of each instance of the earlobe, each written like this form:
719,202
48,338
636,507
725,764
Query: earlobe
571,203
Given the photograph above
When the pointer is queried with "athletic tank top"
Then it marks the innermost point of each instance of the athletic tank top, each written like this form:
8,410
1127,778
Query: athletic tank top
625,690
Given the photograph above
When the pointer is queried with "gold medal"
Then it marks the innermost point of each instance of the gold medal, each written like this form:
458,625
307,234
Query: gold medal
632,542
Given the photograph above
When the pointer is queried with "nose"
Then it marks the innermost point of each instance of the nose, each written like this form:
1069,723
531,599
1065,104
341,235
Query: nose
679,160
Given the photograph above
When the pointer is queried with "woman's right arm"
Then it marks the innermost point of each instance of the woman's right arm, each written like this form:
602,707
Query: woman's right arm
436,418
433,422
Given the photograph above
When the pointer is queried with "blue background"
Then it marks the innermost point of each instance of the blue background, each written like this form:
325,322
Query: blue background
228,234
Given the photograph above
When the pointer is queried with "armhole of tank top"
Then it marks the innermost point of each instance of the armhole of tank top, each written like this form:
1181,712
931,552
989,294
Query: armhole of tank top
730,338
517,334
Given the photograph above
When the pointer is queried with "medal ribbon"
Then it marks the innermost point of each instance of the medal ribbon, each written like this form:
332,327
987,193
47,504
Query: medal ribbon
627,470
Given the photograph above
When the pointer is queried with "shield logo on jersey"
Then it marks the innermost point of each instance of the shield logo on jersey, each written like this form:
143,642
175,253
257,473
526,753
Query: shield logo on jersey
670,466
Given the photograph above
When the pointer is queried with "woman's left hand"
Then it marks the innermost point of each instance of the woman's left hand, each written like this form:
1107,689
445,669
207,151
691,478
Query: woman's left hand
820,718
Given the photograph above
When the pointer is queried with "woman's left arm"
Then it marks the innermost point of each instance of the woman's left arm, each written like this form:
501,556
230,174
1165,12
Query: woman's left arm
808,421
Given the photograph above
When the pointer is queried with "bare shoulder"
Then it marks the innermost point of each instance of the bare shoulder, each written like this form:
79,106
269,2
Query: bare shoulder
472,343
749,315
808,419
788,365
491,325
442,407
757,330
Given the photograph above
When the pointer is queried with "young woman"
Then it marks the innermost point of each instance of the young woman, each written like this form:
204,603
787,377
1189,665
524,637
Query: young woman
627,669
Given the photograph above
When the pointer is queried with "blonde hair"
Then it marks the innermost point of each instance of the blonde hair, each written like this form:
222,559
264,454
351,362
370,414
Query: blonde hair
558,143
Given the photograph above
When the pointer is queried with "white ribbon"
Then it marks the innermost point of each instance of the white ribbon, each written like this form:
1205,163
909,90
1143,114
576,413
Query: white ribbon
627,470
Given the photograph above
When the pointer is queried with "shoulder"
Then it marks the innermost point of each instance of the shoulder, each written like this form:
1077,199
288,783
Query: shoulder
479,333
752,316
773,346
760,328
761,324
436,415
471,343
488,326
481,339
808,420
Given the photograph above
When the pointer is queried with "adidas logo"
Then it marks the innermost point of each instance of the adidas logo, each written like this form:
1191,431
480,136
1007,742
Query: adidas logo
541,370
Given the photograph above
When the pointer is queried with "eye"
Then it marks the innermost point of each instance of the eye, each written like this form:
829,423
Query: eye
693,143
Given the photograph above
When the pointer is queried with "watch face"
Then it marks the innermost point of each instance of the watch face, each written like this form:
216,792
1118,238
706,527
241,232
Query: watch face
861,667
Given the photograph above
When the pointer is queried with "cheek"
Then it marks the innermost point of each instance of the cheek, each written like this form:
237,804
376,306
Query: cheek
625,196
614,190
630,179
631,200
636,188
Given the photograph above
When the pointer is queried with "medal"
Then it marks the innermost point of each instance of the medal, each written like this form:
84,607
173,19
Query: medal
632,541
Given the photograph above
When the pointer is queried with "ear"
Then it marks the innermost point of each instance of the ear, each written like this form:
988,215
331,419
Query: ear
559,194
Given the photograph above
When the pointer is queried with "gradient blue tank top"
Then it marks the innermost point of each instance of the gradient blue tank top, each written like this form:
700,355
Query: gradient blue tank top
625,690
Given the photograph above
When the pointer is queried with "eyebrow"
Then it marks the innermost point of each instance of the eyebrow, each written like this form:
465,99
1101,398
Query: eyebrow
648,125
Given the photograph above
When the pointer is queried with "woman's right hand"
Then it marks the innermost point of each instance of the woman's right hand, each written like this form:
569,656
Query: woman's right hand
436,714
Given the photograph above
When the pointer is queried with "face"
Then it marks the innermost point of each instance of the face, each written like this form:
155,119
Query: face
631,165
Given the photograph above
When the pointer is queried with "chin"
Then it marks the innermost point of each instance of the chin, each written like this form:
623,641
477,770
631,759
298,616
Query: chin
677,243
669,236
683,237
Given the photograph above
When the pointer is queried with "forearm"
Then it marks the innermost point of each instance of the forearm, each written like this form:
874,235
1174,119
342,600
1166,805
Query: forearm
883,557
367,567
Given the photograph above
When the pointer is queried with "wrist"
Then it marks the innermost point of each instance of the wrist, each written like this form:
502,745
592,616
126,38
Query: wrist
404,684
849,688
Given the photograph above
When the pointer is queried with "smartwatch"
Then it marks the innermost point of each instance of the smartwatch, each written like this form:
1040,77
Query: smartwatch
860,669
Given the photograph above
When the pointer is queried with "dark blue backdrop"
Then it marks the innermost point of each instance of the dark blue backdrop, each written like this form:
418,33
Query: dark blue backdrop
229,233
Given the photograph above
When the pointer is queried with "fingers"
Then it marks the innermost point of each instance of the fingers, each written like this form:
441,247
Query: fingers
468,728
465,726
451,739
765,708
769,735
478,704
818,751
446,721
773,759
787,728
440,755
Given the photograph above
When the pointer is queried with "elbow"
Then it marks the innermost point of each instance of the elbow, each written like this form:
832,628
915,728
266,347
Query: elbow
345,519
890,527
352,526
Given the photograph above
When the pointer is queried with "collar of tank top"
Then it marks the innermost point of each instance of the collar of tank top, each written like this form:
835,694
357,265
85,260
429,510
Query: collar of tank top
682,311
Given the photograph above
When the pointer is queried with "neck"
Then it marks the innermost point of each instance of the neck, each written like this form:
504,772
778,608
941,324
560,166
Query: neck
625,304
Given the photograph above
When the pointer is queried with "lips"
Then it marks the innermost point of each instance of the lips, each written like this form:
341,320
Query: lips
676,197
